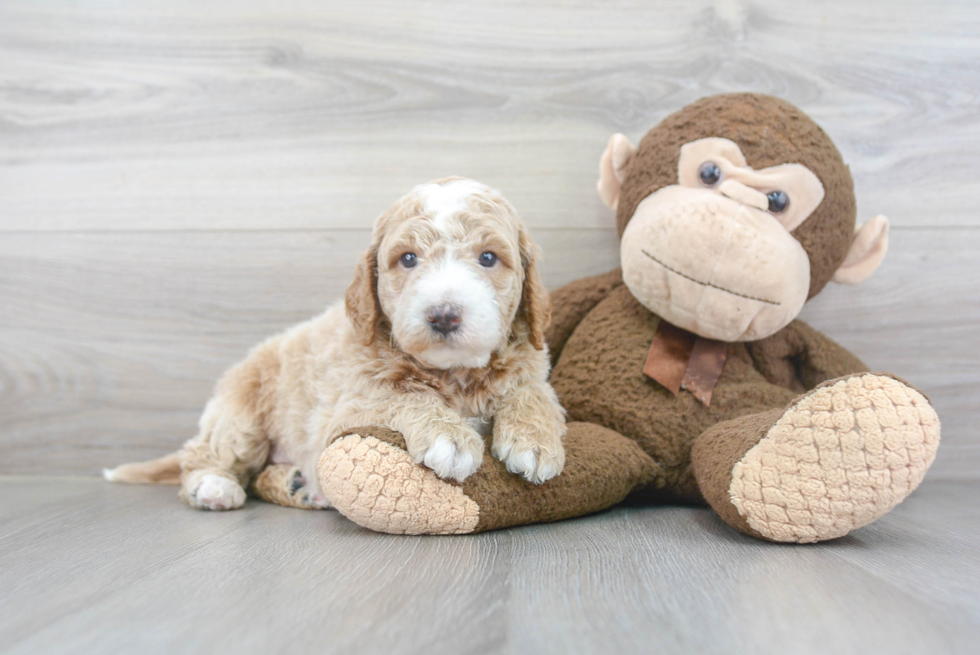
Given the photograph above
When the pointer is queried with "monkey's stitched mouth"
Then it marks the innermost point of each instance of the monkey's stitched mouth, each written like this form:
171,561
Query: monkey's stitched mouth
708,284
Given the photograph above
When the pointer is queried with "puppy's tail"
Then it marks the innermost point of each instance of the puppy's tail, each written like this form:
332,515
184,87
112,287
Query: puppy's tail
164,470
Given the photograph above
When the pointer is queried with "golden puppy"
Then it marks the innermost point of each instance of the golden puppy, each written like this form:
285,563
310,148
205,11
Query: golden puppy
440,338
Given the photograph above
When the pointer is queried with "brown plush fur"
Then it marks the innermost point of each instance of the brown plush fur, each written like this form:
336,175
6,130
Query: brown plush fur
599,378
723,445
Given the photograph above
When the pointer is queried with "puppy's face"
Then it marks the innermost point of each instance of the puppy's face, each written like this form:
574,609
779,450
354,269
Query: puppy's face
454,269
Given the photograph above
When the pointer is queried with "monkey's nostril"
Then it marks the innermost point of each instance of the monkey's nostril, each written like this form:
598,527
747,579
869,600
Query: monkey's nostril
444,318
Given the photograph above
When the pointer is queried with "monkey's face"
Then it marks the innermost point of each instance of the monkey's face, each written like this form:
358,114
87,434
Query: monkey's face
729,250
713,254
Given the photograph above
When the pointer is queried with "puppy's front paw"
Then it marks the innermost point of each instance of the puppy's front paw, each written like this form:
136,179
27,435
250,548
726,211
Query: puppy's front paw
455,454
536,455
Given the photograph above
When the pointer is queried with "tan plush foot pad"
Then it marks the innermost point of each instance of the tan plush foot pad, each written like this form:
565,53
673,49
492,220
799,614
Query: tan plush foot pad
843,456
379,487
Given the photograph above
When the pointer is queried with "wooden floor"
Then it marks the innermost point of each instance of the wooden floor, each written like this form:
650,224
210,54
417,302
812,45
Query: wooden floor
179,179
89,567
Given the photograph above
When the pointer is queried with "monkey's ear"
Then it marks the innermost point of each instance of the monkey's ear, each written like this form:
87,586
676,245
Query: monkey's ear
361,301
867,250
612,168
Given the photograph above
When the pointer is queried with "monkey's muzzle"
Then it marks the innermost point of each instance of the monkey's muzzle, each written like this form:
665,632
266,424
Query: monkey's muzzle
714,266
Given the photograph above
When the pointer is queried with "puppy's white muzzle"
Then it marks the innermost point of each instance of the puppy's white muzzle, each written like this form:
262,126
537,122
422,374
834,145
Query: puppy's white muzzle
449,318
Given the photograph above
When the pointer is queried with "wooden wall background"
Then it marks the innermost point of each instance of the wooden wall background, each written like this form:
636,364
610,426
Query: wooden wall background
180,179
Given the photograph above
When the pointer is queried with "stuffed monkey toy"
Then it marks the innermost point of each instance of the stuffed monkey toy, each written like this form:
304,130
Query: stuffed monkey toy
685,374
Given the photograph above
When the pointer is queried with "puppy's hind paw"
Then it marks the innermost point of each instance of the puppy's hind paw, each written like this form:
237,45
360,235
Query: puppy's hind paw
216,492
285,484
304,495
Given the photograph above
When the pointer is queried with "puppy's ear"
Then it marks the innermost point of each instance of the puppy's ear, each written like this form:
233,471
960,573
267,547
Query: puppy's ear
361,300
535,302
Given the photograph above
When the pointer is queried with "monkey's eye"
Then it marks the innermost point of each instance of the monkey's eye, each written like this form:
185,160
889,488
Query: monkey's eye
488,259
710,174
778,201
409,260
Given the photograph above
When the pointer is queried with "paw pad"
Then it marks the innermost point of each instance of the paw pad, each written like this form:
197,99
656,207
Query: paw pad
297,483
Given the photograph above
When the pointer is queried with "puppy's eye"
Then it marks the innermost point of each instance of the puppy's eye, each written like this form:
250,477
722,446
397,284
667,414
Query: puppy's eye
709,173
778,201
409,260
488,259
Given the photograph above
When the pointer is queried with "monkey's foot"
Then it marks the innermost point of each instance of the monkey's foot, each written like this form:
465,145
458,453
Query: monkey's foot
371,479
840,457
375,483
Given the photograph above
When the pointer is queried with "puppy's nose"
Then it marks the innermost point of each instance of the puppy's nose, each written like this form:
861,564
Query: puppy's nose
444,318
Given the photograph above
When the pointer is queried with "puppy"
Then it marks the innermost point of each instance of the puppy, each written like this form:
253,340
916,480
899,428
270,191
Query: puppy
440,337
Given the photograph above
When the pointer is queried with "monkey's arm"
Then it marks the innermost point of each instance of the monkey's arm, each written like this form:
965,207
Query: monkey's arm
570,304
800,358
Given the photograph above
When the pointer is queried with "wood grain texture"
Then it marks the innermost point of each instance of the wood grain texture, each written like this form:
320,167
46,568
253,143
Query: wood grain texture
178,180
89,567
258,115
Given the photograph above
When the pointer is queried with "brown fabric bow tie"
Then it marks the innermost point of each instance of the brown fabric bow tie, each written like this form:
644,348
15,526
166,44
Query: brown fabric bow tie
679,360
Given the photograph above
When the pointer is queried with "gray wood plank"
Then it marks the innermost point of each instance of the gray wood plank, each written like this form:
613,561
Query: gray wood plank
129,569
678,580
256,115
904,550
